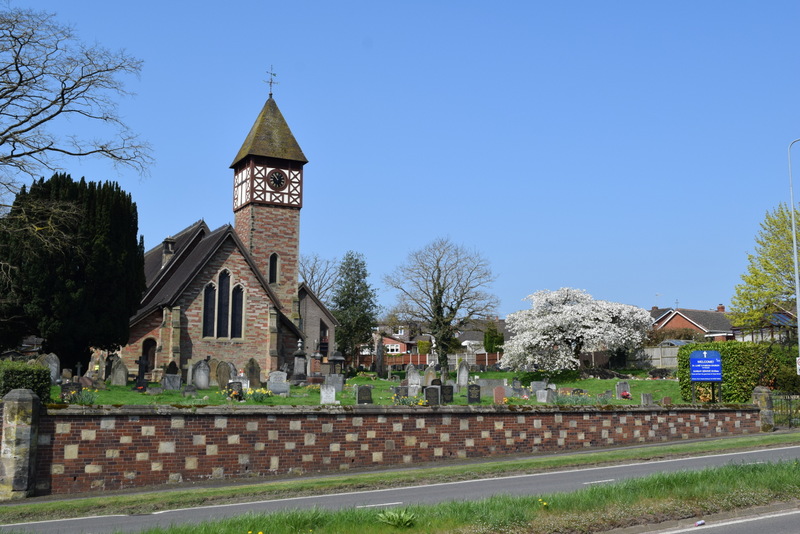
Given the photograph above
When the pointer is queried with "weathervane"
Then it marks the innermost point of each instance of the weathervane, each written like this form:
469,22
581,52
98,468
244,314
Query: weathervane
271,81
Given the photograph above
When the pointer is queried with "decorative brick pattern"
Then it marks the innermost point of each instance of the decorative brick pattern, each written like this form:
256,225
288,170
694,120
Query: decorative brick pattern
145,446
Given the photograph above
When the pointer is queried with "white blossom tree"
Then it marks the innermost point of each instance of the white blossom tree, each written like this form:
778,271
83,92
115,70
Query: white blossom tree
561,324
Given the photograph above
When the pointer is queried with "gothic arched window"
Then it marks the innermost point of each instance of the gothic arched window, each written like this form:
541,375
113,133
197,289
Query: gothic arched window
237,311
273,268
223,303
209,309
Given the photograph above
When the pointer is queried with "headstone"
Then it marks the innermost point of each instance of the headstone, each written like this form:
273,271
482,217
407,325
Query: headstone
119,373
622,387
447,394
430,375
212,372
171,382
647,399
201,375
666,401
277,383
97,367
401,392
190,391
87,382
364,395
253,373
225,372
413,377
172,368
473,394
327,394
462,375
109,365
488,385
141,383
538,385
52,362
548,396
413,391
499,394
66,375
433,395
436,382
158,390
337,381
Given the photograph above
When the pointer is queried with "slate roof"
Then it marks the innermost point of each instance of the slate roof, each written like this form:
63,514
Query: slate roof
705,320
194,247
270,137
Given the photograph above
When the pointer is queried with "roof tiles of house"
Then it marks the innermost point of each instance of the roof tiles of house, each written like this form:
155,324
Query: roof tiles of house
706,320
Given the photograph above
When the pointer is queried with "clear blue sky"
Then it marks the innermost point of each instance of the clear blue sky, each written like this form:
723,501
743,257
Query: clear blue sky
627,148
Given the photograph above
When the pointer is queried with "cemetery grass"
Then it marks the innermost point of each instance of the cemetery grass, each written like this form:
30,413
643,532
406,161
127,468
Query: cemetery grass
155,499
381,394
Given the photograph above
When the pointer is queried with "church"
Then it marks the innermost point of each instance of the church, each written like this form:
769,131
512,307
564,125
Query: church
232,293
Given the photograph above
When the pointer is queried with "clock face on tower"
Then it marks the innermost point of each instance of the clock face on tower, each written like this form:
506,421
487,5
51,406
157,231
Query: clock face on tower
277,180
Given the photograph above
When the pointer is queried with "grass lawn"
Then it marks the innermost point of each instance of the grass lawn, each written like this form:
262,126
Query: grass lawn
381,394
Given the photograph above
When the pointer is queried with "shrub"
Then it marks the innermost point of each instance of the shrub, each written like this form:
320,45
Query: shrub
564,375
744,366
20,375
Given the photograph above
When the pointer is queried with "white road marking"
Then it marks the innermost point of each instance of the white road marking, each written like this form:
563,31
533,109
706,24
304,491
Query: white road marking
731,522
599,481
381,504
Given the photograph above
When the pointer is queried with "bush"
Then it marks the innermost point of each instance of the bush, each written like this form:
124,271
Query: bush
788,381
20,375
744,366
564,375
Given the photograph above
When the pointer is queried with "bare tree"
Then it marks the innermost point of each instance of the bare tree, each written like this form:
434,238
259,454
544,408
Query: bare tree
50,82
443,286
320,275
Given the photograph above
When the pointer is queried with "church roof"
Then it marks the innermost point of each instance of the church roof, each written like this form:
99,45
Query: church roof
270,137
193,248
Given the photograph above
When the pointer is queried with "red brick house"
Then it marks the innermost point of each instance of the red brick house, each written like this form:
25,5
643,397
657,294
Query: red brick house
714,324
232,293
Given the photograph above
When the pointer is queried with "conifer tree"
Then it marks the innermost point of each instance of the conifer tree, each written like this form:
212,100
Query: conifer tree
354,304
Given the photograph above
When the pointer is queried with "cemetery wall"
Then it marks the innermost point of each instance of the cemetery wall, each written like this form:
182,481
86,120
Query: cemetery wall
108,448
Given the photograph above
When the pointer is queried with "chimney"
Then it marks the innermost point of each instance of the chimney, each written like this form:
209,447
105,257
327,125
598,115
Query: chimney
721,308
167,250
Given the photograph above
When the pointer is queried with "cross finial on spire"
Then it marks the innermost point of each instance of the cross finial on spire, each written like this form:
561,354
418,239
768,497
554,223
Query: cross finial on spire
271,81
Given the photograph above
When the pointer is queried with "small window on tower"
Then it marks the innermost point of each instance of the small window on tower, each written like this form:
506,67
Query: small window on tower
273,268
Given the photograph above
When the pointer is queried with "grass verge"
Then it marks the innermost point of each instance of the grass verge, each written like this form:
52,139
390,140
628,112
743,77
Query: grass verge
147,502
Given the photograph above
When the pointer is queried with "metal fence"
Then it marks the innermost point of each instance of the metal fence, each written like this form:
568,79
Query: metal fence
786,410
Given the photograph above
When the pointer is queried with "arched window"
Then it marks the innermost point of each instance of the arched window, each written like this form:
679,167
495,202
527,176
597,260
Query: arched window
237,311
223,303
273,268
209,310
149,352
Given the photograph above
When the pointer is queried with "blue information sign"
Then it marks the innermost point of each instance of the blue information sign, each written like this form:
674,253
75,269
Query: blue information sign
705,366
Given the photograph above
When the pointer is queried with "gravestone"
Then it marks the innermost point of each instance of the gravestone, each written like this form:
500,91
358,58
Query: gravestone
158,390
172,368
88,382
401,392
462,375
327,394
647,399
447,394
212,372
473,394
433,395
413,391
70,389
538,385
277,383
141,382
666,401
488,385
225,372
190,391
430,376
413,377
171,382
516,385
364,395
499,394
337,381
622,387
547,396
119,373
253,373
106,372
97,367
436,382
235,390
201,375
66,375
52,362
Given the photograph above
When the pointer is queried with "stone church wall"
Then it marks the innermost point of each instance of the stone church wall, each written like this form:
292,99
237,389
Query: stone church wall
106,448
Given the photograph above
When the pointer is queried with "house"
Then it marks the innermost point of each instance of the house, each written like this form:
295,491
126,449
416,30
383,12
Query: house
714,324
232,293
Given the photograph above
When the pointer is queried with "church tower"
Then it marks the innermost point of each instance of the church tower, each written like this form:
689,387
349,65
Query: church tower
267,197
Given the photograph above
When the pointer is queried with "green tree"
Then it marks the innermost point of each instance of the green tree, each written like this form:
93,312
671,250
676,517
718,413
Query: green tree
492,338
443,287
768,283
354,304
80,295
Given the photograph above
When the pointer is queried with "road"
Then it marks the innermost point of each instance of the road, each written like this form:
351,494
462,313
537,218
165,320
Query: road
550,482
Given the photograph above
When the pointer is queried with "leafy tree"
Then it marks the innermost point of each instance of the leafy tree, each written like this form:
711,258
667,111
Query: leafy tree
81,295
562,324
768,284
443,286
319,274
492,338
354,304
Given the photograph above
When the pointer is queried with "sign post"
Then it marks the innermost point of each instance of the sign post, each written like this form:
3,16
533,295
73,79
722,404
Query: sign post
706,366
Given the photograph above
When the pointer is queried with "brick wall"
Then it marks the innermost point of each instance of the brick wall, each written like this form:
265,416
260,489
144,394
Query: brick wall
83,449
